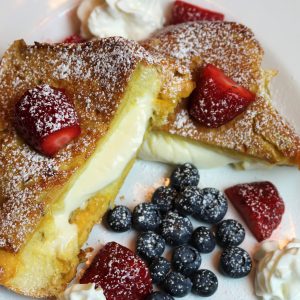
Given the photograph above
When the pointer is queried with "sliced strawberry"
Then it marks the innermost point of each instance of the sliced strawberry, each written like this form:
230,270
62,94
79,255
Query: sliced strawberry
74,39
217,99
260,206
120,273
46,119
186,12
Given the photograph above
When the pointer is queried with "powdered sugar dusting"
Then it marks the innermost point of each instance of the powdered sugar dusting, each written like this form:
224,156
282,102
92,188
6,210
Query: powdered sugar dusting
94,76
231,47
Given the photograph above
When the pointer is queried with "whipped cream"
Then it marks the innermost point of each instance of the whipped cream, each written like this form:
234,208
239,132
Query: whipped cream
132,19
83,292
278,271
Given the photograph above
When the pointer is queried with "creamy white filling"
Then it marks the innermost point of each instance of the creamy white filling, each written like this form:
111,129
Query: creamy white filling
83,292
105,166
167,148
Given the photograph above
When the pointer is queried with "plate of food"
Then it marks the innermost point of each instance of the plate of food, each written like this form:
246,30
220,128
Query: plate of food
149,150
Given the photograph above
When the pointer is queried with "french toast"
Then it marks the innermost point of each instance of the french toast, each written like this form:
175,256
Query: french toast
49,205
251,136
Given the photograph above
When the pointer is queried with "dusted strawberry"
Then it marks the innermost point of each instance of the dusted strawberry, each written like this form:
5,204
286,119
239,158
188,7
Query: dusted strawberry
46,119
75,38
259,204
120,273
186,12
217,99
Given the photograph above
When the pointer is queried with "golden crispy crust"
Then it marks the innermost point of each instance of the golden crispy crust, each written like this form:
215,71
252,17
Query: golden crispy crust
233,48
94,75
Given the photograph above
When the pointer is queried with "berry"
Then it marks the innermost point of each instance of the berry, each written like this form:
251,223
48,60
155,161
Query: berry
164,198
186,12
177,285
146,216
159,296
150,245
187,201
230,233
203,240
185,175
212,206
74,39
260,205
118,271
159,268
46,119
176,229
119,218
235,262
217,99
186,260
205,283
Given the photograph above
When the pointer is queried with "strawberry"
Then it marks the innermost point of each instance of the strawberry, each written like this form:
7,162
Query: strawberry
46,119
259,204
74,39
217,99
120,273
186,12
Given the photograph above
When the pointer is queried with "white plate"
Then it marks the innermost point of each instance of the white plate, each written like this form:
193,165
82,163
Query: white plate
279,33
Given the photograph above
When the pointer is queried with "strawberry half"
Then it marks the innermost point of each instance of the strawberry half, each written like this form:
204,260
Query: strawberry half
186,12
217,99
74,39
120,273
260,206
46,119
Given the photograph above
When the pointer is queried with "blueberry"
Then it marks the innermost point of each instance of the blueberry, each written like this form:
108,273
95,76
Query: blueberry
212,206
205,283
146,216
119,218
159,296
186,259
203,240
176,229
159,268
230,233
149,245
177,285
164,198
235,262
184,175
187,201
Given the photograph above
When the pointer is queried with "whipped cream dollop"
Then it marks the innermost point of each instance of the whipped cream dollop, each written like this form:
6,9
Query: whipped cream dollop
83,292
278,271
132,19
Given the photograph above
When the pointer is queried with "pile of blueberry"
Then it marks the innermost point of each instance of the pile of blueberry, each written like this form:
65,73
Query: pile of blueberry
166,221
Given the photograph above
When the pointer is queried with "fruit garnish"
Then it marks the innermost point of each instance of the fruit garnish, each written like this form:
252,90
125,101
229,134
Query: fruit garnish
186,12
46,119
235,262
120,273
230,233
205,283
177,285
217,99
203,239
212,206
150,245
74,39
186,260
260,206
159,268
